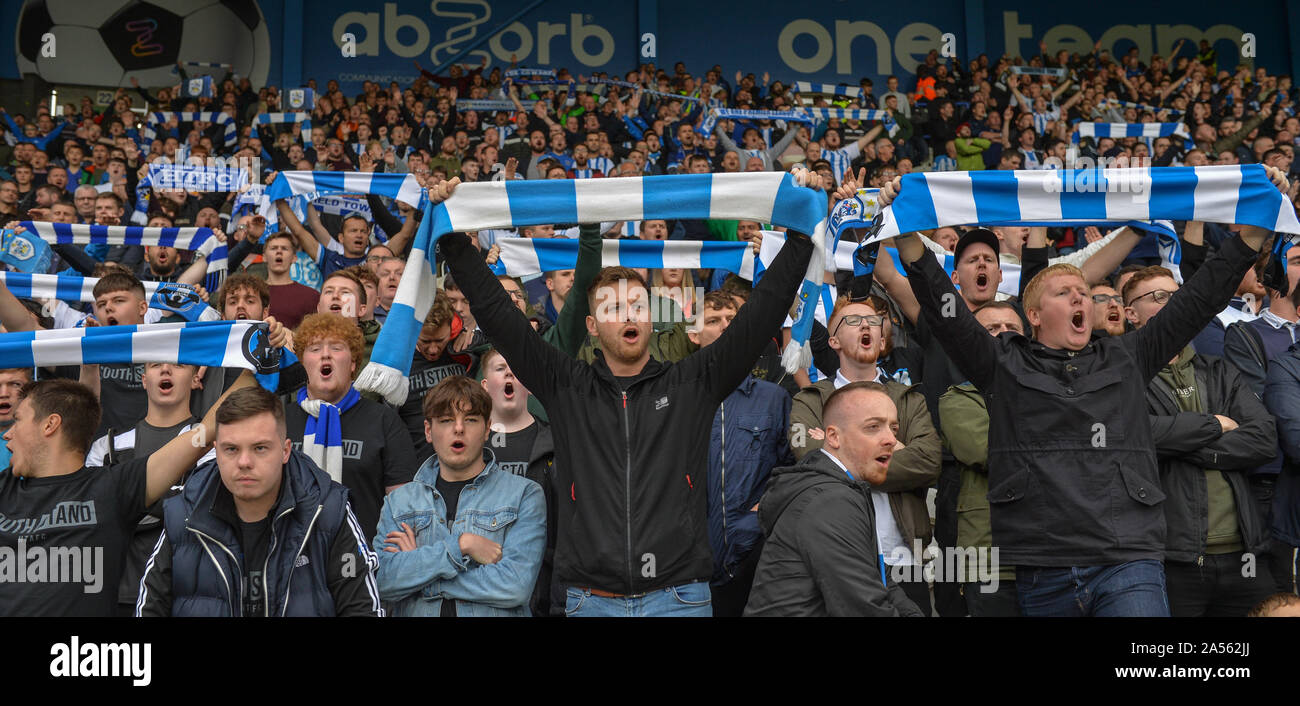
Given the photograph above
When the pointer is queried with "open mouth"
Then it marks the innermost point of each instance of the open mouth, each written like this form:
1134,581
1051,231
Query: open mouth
111,321
883,459
981,280
326,370
166,385
241,314
458,446
1077,322
866,339
1113,317
336,308
5,408
631,334
509,390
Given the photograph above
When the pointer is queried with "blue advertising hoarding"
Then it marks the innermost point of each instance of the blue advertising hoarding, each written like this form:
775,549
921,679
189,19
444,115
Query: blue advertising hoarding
283,42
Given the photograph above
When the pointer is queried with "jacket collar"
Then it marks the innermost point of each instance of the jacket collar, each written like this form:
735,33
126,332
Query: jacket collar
214,507
653,368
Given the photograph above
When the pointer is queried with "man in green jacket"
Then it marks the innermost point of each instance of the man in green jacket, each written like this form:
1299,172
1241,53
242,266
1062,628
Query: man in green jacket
903,526
964,420
970,150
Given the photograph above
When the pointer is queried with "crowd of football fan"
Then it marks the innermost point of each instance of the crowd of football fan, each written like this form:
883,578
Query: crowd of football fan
552,462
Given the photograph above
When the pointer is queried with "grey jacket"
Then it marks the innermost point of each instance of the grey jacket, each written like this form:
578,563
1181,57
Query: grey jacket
821,556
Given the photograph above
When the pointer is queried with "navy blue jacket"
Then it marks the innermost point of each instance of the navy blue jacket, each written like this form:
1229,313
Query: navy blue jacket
319,564
1282,397
752,421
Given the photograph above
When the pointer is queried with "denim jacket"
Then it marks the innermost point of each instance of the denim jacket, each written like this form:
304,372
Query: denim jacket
507,509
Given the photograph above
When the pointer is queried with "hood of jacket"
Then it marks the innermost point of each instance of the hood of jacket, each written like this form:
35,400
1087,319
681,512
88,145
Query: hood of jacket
789,482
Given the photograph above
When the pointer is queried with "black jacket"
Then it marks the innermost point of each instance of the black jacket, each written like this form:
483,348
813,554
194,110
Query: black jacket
635,451
1187,443
319,564
821,556
1062,492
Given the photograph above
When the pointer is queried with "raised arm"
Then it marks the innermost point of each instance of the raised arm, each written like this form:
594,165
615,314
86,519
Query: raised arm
306,240
872,134
168,464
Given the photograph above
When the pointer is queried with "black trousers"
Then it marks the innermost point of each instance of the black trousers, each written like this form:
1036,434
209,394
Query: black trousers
948,601
729,599
1279,557
1001,603
1216,588
919,593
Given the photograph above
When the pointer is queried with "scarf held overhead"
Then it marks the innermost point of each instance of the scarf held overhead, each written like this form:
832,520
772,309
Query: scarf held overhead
767,197
1236,194
222,344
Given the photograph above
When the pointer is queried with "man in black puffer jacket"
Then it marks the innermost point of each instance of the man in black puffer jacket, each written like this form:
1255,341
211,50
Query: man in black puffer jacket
632,433
261,531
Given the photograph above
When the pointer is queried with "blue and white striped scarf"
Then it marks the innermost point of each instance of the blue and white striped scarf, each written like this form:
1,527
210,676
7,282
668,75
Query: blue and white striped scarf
829,89
533,73
1122,130
304,187
529,256
192,177
170,296
322,435
716,114
201,240
222,344
148,133
485,105
1038,71
767,197
1238,194
276,118
864,114
1141,106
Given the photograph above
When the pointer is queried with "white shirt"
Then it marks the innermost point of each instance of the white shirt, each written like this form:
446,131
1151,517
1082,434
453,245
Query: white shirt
889,538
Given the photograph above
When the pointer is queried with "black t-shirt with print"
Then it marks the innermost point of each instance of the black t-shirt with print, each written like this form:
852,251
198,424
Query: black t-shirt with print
512,456
424,375
62,539
122,398
450,492
377,453
254,538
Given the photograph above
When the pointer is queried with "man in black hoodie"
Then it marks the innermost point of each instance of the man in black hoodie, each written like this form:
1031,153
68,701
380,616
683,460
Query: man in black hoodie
633,432
821,557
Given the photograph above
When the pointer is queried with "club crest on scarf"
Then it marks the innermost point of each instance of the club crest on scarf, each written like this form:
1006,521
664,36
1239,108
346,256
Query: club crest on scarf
257,346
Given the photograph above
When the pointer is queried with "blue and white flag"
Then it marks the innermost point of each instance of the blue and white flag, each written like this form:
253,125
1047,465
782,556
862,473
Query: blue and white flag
767,197
529,256
1122,130
1238,194
68,288
25,251
275,118
223,344
148,131
190,177
198,87
300,99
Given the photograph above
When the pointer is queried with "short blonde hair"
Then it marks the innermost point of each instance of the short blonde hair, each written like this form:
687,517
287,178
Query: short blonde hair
1034,290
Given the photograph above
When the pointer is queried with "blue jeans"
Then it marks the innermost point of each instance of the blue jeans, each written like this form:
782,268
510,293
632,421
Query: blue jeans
1132,589
689,600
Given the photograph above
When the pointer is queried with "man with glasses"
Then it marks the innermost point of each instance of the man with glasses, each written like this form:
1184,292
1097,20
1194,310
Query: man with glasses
902,519
1107,310
1210,432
